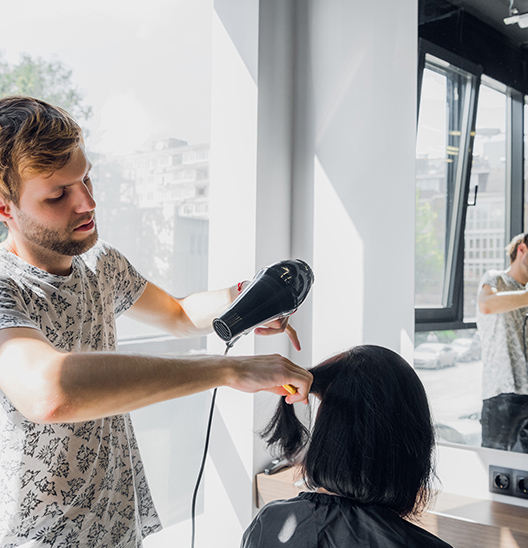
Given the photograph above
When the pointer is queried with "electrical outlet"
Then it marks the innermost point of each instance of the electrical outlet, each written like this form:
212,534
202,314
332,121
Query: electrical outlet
507,481
501,480
520,480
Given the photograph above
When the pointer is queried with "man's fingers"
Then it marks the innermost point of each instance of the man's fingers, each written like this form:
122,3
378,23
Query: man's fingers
272,328
294,339
283,327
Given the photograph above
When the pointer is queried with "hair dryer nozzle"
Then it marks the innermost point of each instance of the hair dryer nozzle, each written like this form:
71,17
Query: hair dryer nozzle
276,291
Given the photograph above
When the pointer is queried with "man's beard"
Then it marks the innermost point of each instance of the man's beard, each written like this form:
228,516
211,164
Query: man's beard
55,240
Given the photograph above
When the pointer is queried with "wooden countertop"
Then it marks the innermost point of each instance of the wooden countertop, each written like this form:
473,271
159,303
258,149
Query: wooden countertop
464,522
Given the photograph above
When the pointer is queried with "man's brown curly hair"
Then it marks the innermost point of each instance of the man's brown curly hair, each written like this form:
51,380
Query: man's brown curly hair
511,248
35,137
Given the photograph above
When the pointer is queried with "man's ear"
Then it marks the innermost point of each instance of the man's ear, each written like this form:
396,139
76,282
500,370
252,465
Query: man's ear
5,209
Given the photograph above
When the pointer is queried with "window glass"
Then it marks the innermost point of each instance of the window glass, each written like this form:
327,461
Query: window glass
138,79
486,220
450,367
442,141
431,185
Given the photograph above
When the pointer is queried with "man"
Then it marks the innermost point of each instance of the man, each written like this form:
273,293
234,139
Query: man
501,320
70,472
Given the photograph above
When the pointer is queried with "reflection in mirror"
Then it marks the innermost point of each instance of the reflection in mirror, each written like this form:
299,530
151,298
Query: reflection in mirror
441,145
495,211
485,232
450,367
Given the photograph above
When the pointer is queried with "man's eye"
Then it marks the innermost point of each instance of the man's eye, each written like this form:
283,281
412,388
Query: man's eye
57,198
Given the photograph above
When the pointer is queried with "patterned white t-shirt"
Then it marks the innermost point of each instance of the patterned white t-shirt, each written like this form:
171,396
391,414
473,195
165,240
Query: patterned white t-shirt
503,356
74,485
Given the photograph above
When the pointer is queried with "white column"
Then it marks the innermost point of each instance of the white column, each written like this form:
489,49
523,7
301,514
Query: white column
363,73
228,486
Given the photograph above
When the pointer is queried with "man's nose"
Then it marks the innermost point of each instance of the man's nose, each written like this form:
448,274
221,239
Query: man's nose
86,201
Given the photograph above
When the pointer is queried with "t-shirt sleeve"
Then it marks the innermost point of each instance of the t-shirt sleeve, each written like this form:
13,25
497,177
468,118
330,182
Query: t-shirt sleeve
13,310
128,283
489,278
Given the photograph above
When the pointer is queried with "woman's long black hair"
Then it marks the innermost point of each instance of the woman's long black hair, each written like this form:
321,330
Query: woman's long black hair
373,437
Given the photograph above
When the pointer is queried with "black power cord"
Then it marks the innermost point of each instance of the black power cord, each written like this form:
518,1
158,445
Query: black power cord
204,457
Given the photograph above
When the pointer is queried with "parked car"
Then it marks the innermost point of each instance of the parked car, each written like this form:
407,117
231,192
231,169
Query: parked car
466,430
467,349
434,356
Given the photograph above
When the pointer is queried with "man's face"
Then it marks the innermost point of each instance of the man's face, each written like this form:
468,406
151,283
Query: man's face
524,258
56,212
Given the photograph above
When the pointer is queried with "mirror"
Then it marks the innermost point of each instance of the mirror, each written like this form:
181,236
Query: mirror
450,367
470,31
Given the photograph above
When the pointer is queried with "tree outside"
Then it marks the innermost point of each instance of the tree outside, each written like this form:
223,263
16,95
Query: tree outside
429,267
50,81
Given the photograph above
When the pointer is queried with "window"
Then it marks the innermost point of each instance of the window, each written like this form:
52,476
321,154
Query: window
444,139
143,108
469,139
487,190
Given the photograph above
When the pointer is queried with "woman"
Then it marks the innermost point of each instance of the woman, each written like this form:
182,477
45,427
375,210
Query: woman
368,459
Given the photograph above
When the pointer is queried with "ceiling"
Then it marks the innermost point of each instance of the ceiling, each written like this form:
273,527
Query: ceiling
493,12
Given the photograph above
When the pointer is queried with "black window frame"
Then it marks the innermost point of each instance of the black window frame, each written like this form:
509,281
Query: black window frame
452,315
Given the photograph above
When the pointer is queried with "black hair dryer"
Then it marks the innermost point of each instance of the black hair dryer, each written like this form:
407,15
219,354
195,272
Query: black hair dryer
276,291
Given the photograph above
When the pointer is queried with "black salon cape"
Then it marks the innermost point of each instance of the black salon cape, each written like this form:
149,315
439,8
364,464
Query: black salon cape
316,520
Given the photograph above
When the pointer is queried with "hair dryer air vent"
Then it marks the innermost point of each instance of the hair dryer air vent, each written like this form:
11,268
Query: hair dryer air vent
222,329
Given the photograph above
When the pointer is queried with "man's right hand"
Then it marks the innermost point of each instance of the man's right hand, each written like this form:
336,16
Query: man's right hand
270,373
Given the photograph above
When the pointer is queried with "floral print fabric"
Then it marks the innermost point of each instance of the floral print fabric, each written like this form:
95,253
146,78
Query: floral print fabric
78,485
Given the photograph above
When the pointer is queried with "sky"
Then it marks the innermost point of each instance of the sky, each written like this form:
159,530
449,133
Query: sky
144,67
432,137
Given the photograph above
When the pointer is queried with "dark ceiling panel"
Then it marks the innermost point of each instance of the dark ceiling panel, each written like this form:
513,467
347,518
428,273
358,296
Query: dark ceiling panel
468,36
491,12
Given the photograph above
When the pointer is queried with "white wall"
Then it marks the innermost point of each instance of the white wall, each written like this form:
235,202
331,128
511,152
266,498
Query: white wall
312,157
364,79
465,470
232,244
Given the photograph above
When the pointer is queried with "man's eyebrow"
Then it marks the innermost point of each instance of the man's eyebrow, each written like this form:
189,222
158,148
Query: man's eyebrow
66,185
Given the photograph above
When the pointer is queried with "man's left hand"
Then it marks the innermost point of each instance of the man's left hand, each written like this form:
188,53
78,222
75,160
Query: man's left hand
279,326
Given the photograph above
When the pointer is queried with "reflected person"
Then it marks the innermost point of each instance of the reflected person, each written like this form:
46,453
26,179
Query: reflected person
502,309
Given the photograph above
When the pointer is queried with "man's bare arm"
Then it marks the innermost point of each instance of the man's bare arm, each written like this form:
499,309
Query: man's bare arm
190,316
193,316
47,385
491,301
